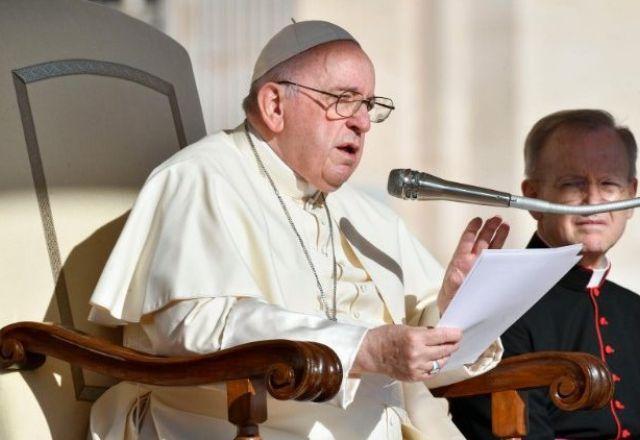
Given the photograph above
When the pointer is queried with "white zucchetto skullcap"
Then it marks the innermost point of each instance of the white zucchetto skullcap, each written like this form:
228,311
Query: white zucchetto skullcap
295,39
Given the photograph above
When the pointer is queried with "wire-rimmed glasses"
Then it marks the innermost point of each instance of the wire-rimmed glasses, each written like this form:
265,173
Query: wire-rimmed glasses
349,102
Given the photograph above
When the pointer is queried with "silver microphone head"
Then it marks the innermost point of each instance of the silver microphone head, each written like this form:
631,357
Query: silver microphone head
414,185
398,181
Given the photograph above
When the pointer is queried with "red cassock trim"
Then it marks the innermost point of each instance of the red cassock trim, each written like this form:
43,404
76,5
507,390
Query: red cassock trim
594,292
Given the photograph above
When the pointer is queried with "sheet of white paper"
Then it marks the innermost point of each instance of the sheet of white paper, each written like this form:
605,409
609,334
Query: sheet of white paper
502,285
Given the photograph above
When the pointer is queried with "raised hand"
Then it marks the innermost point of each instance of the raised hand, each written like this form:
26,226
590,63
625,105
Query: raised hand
475,238
405,353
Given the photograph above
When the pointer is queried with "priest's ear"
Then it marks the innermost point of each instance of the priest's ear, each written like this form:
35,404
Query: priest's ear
530,189
632,190
270,106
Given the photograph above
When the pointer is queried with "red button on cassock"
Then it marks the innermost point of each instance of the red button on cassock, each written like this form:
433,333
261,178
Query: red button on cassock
609,349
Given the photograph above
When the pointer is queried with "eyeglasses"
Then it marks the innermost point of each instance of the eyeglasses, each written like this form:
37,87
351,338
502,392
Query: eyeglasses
349,102
577,189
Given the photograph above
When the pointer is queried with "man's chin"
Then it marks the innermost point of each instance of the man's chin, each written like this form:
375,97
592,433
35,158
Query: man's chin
593,245
328,187
334,182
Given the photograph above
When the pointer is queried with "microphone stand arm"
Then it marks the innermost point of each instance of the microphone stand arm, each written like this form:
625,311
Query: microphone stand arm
414,185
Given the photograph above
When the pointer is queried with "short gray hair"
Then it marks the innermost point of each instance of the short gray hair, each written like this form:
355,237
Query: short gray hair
285,71
282,72
588,119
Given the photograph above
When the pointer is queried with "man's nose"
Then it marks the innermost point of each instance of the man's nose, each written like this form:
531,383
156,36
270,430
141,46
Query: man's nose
359,121
594,194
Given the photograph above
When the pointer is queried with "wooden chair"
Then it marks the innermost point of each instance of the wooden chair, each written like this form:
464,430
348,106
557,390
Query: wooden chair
90,102
302,371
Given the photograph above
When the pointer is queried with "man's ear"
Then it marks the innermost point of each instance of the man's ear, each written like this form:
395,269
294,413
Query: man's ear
633,186
270,106
633,190
530,189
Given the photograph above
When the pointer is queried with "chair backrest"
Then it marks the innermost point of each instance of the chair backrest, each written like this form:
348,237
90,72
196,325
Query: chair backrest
90,102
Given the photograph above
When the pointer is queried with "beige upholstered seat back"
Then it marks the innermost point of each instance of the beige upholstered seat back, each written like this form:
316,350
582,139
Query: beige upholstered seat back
90,102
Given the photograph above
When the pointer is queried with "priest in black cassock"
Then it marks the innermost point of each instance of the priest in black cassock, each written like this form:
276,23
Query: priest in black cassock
577,157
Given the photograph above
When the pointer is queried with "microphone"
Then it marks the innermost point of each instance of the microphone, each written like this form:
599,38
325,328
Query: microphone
414,185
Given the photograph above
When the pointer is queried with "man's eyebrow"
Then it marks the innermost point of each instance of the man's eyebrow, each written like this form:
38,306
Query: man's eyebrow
569,177
345,89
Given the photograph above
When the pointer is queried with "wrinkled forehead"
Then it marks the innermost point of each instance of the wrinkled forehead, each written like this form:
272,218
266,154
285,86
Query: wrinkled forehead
580,149
338,65
577,132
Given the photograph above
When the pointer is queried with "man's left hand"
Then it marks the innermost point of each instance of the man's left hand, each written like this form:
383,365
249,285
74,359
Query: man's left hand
475,238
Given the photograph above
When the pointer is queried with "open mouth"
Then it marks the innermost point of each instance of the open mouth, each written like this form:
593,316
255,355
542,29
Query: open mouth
348,148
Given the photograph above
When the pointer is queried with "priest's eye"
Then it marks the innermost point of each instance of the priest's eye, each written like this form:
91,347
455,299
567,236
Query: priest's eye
350,96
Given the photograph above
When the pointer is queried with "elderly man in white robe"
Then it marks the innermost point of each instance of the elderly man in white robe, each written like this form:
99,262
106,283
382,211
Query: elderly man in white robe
253,234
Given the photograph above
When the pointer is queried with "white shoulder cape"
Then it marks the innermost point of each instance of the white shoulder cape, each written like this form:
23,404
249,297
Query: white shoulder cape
206,225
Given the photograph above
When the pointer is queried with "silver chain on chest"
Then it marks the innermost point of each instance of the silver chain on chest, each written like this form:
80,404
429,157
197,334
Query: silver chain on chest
330,312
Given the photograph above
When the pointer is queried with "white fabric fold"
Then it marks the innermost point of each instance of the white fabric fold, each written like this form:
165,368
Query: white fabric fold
208,325
254,321
182,240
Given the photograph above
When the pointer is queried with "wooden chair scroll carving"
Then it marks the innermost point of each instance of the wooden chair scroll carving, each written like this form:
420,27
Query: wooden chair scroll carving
576,381
285,369
303,371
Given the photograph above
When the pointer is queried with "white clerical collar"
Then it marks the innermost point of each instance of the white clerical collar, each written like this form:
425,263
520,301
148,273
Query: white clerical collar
286,180
598,274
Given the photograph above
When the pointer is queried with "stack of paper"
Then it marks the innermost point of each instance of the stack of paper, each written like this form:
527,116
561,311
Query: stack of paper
502,285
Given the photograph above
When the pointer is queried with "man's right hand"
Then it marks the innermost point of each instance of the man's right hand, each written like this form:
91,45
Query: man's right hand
404,352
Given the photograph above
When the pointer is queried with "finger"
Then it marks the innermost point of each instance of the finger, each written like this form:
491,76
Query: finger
489,228
443,361
429,370
486,234
446,350
432,353
437,352
468,236
442,335
500,236
453,278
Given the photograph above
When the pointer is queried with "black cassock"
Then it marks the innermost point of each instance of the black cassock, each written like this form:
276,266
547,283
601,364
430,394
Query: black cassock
603,321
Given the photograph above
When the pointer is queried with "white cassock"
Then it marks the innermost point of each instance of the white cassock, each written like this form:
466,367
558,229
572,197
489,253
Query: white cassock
208,260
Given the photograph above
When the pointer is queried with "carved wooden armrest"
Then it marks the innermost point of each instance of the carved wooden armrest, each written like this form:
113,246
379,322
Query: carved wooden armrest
285,369
575,380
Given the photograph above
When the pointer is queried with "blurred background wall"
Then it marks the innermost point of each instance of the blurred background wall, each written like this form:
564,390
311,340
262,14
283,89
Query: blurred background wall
469,78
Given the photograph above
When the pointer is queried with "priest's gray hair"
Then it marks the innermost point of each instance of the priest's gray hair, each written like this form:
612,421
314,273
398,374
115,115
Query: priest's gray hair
587,119
285,71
